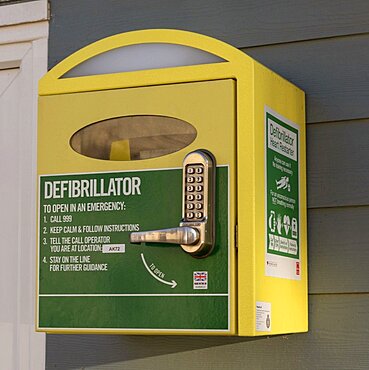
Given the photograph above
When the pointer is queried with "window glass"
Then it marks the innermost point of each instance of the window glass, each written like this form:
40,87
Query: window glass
141,57
133,137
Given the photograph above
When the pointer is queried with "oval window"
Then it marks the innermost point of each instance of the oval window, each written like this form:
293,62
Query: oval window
133,137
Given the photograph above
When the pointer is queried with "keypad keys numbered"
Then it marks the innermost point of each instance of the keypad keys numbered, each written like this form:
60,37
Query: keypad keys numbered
194,184
198,171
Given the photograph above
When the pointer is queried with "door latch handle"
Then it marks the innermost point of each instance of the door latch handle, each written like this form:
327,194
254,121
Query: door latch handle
177,235
196,231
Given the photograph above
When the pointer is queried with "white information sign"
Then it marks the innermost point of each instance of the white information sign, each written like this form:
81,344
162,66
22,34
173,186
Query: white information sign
263,316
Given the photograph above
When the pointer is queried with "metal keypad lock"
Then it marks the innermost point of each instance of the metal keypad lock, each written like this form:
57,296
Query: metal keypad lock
196,233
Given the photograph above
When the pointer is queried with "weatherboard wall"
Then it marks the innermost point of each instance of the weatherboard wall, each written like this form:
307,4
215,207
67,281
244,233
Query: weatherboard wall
323,47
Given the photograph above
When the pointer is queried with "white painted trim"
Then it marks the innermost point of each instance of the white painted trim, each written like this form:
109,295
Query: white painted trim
33,11
23,45
24,32
11,55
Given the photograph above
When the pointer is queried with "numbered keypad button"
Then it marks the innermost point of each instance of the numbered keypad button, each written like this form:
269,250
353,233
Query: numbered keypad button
194,207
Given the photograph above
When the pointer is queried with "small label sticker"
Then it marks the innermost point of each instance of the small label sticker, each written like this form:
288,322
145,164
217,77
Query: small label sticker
113,248
263,316
200,280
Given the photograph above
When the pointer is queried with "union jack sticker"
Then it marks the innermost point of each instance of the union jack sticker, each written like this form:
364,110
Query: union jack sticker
200,280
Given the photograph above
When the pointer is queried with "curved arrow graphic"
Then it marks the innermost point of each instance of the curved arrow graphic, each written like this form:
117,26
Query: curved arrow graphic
172,283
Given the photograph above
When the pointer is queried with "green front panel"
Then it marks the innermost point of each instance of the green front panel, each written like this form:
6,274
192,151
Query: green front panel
90,275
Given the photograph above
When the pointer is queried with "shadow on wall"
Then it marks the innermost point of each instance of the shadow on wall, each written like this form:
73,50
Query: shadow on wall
90,350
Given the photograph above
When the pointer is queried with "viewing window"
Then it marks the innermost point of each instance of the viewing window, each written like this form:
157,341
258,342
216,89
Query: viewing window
133,137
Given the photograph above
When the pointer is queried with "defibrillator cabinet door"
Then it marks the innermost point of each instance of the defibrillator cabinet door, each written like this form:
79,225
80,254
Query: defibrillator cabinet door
137,210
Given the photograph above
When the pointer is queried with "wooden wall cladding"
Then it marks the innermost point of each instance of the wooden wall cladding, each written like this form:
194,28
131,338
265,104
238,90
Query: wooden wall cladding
333,73
338,164
338,250
338,339
238,22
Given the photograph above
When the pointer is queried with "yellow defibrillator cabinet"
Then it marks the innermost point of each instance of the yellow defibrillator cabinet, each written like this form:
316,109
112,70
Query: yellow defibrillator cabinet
171,192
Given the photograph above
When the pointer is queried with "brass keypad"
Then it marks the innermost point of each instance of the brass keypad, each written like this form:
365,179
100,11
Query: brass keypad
194,196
